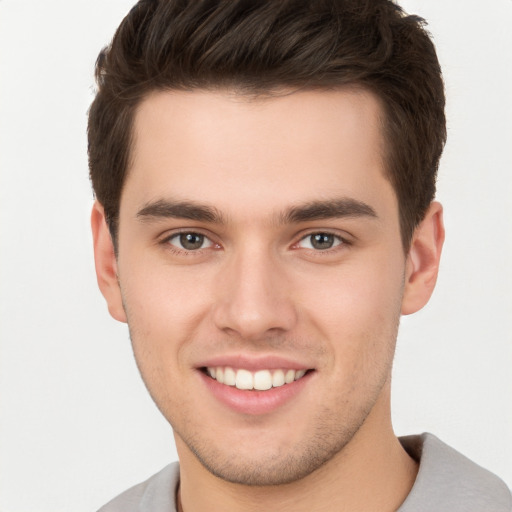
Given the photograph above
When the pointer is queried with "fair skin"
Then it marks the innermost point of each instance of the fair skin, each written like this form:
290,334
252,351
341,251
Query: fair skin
262,236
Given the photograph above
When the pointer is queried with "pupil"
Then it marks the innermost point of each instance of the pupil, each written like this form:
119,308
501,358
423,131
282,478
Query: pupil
191,241
322,241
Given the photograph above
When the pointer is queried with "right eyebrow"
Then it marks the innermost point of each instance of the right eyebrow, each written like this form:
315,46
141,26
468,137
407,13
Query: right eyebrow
164,209
326,209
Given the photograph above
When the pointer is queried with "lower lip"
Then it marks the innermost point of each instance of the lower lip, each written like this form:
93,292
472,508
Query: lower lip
255,402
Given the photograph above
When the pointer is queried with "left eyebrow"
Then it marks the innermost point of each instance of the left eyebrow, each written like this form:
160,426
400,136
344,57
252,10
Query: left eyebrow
329,209
189,210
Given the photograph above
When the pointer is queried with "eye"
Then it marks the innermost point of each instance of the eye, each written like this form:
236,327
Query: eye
320,241
190,241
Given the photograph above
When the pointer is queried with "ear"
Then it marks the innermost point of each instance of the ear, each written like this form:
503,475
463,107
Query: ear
422,263
106,264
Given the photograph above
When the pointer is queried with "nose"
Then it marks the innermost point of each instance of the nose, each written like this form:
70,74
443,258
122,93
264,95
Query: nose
254,297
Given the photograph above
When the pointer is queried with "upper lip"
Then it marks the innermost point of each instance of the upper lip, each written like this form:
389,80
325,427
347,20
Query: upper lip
254,363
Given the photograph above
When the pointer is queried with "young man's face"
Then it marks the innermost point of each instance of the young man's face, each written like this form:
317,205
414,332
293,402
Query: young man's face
259,240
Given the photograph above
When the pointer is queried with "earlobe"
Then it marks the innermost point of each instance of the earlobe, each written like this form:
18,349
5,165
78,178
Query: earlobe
106,264
422,264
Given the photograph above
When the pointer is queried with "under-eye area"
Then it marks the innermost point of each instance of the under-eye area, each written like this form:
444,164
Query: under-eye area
260,380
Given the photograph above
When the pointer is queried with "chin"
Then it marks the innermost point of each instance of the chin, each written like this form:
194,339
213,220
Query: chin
274,465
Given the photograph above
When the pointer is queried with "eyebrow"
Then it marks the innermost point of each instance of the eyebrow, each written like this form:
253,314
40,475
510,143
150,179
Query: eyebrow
163,209
328,209
310,211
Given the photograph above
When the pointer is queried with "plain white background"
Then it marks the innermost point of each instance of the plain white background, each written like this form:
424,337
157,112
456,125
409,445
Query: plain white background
76,424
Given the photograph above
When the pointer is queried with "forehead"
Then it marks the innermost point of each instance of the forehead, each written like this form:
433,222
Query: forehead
222,149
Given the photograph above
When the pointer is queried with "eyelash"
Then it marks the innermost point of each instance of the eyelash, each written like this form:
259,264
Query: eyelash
187,252
342,242
339,242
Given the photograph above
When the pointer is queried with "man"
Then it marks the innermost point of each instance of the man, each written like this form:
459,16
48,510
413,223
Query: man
265,180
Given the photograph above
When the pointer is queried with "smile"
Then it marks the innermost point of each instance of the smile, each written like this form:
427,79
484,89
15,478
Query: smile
260,380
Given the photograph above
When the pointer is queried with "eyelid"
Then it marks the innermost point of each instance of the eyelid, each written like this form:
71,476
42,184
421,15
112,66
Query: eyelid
168,236
344,239
177,236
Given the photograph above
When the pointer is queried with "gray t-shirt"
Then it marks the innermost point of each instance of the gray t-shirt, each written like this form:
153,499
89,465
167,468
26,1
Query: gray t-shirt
446,482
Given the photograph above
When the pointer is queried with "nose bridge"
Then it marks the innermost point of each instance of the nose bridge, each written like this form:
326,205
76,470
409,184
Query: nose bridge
254,298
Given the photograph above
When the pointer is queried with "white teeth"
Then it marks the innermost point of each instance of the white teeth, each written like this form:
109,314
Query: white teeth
299,374
289,377
229,376
244,379
278,378
260,380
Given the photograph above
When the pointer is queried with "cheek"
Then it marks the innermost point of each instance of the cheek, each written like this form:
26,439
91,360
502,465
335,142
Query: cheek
357,296
165,310
162,296
357,309
163,316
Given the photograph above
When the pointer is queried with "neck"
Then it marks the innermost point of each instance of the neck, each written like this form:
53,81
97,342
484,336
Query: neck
372,472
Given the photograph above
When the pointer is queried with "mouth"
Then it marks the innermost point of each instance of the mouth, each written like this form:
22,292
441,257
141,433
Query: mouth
254,386
260,380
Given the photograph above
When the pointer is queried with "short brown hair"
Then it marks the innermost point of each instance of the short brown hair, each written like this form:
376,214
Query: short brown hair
259,46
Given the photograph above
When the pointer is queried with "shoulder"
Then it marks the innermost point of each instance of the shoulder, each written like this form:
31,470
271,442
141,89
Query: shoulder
447,480
156,493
